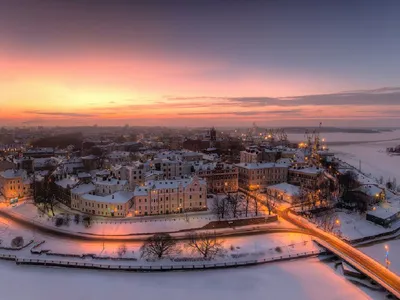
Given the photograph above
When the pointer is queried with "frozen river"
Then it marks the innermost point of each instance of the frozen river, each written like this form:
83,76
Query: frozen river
372,154
303,279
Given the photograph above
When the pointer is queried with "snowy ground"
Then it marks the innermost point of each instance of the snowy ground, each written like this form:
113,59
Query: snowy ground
355,226
117,227
374,159
378,252
304,279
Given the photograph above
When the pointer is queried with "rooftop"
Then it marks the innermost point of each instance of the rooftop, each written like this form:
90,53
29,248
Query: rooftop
307,170
386,209
9,174
118,197
111,181
69,181
259,165
286,188
83,189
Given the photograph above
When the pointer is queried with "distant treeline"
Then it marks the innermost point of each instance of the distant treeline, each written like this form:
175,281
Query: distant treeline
60,141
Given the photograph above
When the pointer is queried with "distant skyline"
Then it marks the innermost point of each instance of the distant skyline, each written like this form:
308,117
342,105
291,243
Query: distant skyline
200,63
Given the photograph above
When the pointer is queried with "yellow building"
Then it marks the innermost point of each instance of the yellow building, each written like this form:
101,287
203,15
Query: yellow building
14,184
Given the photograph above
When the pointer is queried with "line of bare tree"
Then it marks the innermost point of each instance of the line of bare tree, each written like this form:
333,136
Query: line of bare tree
235,205
162,245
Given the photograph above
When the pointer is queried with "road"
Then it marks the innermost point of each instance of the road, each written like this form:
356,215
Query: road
367,265
358,259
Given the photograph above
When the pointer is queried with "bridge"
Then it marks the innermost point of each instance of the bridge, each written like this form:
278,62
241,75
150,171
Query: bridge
362,262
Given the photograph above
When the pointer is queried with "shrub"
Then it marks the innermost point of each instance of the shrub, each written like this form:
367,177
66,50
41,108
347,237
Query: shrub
17,242
59,222
77,218
278,249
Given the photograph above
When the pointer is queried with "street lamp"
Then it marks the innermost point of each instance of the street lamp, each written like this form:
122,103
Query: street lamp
387,261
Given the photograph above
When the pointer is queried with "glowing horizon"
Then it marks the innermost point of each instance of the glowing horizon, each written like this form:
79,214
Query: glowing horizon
140,65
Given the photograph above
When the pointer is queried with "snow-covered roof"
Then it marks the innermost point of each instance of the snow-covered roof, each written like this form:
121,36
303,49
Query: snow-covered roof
153,172
102,172
284,161
307,170
111,181
118,197
259,165
288,189
83,189
386,209
172,183
9,174
69,181
141,191
370,189
83,175
88,157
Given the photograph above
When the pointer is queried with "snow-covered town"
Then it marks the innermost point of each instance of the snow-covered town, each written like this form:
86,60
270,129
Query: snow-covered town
199,149
154,204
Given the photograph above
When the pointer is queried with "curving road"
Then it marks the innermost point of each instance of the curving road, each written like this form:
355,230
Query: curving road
370,267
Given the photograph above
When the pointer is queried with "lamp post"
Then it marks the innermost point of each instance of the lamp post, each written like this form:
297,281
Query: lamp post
387,261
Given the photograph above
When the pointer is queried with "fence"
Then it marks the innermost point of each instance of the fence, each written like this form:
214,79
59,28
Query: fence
148,268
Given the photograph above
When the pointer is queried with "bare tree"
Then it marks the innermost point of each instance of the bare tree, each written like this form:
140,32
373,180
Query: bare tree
247,203
17,242
255,202
87,221
122,249
327,222
301,198
158,246
206,244
348,181
269,207
234,202
220,207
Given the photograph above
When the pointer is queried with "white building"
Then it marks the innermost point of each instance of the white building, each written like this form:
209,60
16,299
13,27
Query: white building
133,173
170,196
173,168
110,186
283,191
114,205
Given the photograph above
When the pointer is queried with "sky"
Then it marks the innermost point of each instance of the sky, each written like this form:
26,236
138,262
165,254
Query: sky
199,63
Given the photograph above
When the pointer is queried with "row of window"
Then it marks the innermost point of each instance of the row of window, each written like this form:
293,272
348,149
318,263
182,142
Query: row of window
156,208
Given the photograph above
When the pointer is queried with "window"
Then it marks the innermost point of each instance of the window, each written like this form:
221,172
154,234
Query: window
190,197
200,203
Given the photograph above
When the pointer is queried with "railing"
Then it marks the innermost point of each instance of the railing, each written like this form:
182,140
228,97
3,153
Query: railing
166,267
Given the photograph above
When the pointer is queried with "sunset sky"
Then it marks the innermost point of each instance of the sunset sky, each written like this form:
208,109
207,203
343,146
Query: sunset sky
199,63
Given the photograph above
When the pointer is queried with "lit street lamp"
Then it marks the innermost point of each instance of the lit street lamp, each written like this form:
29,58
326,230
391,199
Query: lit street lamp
387,261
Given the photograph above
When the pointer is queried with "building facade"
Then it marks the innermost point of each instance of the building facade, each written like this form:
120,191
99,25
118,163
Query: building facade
114,205
223,178
261,175
306,177
14,184
170,196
